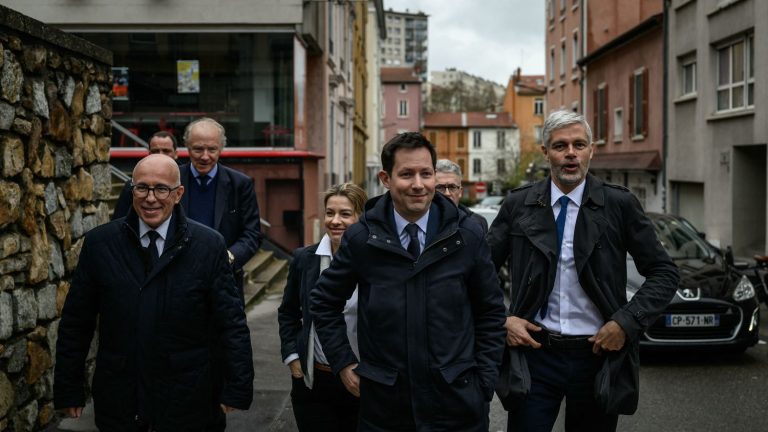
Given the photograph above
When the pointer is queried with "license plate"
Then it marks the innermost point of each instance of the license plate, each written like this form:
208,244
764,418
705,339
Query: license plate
693,320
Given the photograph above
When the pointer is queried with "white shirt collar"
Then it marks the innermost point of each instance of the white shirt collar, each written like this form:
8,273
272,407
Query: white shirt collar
400,222
211,173
162,229
575,195
324,248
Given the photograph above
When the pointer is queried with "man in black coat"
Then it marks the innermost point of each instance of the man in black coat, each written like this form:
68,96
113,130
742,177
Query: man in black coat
430,311
219,197
160,288
448,176
567,240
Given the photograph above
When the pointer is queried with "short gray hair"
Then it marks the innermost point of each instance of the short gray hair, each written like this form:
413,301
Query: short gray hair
560,119
217,125
446,166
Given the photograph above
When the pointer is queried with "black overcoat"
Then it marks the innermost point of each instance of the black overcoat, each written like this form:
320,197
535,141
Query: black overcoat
610,224
433,325
157,329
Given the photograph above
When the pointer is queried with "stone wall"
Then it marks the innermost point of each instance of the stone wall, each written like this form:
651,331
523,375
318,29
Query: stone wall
55,112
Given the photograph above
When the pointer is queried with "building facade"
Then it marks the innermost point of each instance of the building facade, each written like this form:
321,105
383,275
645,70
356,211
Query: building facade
401,108
485,145
455,91
406,42
564,47
524,101
717,158
625,102
278,74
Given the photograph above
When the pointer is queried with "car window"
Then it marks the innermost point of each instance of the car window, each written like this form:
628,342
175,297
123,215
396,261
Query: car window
680,240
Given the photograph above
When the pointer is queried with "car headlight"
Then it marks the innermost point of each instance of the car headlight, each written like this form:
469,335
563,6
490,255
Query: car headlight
744,290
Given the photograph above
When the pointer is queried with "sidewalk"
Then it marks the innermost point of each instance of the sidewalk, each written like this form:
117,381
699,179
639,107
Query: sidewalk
271,408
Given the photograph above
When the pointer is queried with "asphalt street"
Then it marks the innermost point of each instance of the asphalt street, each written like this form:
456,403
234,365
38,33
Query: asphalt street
679,392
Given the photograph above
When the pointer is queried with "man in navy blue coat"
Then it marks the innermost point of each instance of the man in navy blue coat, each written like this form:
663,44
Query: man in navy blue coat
160,289
430,311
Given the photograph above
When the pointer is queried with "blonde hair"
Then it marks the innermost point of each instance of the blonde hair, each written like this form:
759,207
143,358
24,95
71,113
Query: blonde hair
354,193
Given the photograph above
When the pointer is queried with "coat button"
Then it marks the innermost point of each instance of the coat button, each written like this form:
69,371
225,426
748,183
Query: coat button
373,236
458,242
388,241
445,249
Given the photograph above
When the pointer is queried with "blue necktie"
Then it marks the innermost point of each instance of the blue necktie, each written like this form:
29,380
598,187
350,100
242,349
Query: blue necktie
560,222
414,248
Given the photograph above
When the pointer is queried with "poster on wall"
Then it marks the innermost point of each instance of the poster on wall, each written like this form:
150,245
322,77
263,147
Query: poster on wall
120,83
188,76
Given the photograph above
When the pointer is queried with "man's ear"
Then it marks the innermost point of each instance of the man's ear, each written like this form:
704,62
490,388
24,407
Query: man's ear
384,178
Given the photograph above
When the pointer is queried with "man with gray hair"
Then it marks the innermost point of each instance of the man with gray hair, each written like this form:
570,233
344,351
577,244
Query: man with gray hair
448,176
567,238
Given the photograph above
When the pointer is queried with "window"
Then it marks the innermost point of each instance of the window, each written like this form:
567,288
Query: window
462,141
735,75
618,124
476,166
562,58
537,133
476,140
688,78
403,88
538,106
601,112
551,64
462,164
433,138
575,50
402,108
501,140
638,103
501,167
551,10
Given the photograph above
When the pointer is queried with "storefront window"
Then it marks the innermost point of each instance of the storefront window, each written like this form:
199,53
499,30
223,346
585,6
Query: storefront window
244,81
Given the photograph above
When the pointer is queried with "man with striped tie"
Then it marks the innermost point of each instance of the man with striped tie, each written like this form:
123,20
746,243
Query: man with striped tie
567,238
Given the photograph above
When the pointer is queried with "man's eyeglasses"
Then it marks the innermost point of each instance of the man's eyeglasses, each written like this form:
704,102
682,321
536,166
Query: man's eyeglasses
161,191
450,187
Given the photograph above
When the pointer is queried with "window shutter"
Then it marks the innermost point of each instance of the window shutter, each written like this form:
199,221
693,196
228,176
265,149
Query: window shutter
631,116
645,102
605,112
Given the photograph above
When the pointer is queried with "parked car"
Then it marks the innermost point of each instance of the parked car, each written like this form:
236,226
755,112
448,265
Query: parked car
489,213
715,305
492,201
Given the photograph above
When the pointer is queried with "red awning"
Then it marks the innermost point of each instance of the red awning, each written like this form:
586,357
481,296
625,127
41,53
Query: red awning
628,161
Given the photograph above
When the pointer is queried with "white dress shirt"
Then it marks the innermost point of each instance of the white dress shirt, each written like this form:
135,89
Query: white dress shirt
162,230
569,310
405,239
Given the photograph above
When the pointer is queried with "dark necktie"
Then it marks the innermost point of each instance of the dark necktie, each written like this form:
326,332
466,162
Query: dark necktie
560,222
203,180
413,247
154,256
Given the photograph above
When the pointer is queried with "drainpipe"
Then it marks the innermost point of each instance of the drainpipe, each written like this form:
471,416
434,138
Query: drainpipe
665,109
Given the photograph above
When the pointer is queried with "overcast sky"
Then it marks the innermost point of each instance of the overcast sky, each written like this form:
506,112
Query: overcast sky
487,38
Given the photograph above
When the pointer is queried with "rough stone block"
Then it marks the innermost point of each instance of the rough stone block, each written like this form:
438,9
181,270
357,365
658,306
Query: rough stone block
61,296
46,413
11,78
39,362
51,198
16,353
6,317
9,244
52,334
46,302
102,181
60,126
6,283
25,417
12,156
34,59
67,91
63,162
39,101
7,114
10,202
7,394
38,266
93,100
56,260
24,309
21,126
16,263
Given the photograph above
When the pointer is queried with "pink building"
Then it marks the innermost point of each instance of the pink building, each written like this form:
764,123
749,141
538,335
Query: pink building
401,111
623,94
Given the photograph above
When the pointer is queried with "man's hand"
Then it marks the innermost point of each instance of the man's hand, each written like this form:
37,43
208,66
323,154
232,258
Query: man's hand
295,367
610,337
350,379
74,412
517,332
227,409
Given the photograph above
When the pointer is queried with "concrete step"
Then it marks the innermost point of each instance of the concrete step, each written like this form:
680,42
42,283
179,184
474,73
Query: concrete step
258,263
271,277
253,292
